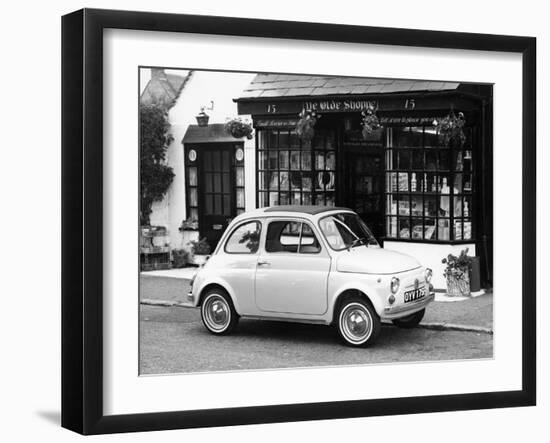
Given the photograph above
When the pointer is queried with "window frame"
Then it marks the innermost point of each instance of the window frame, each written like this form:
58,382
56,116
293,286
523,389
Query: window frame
325,196
293,220
392,185
244,222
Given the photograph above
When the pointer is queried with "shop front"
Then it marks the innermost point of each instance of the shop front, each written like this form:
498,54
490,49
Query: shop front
418,191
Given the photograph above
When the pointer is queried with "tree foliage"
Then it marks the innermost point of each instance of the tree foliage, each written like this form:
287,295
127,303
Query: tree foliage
155,175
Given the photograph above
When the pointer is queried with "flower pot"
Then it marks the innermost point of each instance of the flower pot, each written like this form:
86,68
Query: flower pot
458,287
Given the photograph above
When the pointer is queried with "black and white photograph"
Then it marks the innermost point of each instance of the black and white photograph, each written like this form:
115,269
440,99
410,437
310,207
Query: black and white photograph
295,221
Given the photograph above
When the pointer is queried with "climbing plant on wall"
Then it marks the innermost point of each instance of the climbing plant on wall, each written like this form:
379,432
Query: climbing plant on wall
155,175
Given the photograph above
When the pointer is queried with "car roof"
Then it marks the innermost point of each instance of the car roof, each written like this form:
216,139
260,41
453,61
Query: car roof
304,209
290,211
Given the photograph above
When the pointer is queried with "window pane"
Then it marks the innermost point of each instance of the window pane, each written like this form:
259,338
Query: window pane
282,236
273,180
193,200
283,198
404,228
443,230
295,160
417,229
245,239
240,198
330,161
391,228
283,159
239,176
284,180
295,180
306,160
308,242
263,160
192,176
263,199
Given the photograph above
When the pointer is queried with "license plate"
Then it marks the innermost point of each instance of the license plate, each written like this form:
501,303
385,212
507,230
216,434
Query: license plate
415,294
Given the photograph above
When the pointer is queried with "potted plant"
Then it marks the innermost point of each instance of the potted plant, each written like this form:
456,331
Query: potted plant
180,258
305,125
189,224
200,250
239,128
370,123
451,127
457,273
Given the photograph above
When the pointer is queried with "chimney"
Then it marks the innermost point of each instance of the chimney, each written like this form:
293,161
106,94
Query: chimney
158,74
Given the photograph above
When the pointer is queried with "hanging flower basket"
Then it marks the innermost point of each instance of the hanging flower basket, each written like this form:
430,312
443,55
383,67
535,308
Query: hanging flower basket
370,123
305,125
238,128
451,128
457,274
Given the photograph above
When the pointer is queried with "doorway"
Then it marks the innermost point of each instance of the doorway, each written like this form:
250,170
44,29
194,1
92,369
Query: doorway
216,192
363,184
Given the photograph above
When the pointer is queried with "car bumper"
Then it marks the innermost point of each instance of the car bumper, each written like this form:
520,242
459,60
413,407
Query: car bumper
403,310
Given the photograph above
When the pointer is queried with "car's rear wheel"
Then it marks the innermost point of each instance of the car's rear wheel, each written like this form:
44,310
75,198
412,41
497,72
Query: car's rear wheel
218,313
357,321
410,321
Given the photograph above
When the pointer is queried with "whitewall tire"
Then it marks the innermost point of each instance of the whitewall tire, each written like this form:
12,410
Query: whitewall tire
217,312
357,322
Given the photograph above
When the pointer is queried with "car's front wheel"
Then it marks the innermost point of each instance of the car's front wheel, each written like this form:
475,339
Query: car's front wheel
218,313
410,321
357,322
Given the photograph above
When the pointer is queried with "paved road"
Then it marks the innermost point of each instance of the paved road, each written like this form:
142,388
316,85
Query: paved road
173,340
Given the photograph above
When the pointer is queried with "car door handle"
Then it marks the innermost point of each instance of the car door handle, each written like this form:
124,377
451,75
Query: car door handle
263,263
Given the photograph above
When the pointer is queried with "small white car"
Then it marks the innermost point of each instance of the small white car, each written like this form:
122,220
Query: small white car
309,264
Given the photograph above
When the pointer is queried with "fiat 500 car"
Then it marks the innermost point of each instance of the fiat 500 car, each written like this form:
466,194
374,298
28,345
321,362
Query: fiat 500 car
309,264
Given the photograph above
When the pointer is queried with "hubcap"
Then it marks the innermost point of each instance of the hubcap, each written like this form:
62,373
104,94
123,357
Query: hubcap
356,323
216,312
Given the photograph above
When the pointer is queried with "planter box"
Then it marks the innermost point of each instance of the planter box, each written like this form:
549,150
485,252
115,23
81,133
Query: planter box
458,287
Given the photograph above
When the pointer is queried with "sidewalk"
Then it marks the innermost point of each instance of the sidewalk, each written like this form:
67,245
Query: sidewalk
170,288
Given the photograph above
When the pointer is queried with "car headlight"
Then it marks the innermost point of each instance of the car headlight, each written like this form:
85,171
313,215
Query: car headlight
428,275
394,285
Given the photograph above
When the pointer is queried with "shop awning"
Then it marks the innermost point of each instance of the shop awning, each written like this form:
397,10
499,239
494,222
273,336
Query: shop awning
213,133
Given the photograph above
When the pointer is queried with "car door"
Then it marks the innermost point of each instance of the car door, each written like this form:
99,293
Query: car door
236,263
292,269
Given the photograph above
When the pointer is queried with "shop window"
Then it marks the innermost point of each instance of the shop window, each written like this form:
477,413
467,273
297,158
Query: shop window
291,171
429,186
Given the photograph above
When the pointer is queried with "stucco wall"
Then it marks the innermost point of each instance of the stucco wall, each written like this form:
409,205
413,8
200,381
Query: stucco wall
201,88
430,255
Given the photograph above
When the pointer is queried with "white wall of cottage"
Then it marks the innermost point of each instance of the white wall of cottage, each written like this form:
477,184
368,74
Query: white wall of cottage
201,88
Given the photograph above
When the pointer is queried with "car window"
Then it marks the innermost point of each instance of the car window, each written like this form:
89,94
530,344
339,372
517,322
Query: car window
308,242
245,239
290,236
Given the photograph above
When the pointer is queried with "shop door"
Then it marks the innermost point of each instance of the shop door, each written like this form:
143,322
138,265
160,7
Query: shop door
216,205
363,185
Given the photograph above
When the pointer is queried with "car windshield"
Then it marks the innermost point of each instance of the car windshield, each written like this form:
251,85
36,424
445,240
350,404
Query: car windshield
346,230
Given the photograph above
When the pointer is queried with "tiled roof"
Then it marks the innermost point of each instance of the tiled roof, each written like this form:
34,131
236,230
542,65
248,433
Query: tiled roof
285,85
163,89
213,133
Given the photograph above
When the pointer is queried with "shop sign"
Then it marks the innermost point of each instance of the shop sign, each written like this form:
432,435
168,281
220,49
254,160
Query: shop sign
346,105
407,120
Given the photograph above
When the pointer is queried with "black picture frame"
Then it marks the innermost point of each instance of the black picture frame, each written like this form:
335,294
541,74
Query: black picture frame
82,215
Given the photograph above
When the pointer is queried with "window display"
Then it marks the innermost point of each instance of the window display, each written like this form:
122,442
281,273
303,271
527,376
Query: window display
429,186
292,171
